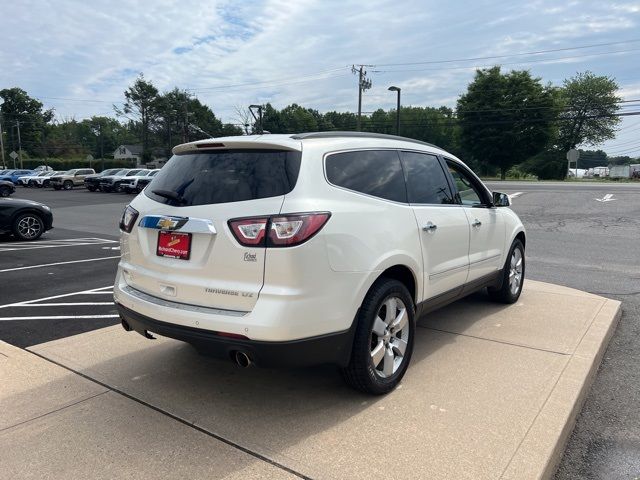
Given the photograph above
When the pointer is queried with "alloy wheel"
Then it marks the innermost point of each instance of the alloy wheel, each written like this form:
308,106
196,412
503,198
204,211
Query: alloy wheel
29,227
515,271
389,337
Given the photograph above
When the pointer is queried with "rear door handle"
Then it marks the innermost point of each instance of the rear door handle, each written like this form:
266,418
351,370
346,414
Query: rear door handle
476,223
430,227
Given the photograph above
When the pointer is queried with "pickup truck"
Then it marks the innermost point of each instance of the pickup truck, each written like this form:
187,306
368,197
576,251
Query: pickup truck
71,178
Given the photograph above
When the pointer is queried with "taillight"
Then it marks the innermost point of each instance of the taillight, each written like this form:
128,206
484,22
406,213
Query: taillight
290,230
128,219
250,232
278,231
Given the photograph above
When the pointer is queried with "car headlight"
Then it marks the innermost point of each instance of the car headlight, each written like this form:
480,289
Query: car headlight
128,219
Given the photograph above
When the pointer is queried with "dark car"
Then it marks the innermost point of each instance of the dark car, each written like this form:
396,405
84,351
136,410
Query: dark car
26,219
6,188
92,182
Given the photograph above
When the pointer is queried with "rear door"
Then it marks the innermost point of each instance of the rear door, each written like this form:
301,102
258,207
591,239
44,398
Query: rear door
195,195
442,224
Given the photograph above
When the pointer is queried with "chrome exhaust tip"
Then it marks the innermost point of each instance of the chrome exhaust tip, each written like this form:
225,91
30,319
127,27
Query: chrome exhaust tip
242,359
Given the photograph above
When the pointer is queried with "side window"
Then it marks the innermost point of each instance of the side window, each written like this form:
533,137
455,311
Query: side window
468,192
426,181
374,172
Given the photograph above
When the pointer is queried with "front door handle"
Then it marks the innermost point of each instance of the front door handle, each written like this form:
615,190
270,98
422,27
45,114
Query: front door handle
430,227
476,223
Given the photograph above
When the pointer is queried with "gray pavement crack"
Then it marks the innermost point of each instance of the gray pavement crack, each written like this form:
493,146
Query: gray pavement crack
220,438
53,411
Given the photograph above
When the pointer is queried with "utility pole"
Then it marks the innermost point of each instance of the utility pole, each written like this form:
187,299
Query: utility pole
363,84
258,119
19,144
2,141
101,146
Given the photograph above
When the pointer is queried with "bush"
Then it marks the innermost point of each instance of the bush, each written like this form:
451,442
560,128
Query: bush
548,165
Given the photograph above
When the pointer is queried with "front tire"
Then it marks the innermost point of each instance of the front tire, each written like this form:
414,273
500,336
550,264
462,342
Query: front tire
512,276
91,188
383,341
28,226
5,191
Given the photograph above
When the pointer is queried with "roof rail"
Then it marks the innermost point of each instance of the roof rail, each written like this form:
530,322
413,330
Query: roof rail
303,136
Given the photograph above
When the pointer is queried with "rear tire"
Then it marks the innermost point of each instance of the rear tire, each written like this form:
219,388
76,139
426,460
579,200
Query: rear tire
383,341
5,191
67,185
91,188
512,276
28,226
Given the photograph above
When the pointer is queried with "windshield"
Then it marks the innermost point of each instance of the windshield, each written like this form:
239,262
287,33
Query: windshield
70,172
226,176
133,172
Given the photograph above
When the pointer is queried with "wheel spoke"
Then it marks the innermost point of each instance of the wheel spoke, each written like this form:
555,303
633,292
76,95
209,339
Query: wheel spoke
389,360
391,310
401,321
399,346
377,353
379,326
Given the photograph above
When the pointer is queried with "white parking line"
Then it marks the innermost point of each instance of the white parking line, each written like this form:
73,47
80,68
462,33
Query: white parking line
58,317
58,263
76,304
93,291
73,242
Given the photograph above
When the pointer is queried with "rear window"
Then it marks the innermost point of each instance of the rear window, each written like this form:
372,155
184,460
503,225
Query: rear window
226,176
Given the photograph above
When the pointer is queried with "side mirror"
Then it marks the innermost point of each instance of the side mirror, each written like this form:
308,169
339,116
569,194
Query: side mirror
501,199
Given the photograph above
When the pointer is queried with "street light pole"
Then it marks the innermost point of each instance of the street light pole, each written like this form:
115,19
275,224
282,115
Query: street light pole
397,89
1,134
19,145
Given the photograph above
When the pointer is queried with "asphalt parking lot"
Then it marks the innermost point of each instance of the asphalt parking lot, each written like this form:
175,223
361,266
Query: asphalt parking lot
577,237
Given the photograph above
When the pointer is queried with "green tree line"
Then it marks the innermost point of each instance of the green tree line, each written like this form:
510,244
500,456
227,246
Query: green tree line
504,119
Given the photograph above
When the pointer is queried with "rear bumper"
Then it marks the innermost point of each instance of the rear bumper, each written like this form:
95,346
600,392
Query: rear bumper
334,348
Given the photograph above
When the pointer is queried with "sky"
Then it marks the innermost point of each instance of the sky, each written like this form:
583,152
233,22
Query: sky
78,57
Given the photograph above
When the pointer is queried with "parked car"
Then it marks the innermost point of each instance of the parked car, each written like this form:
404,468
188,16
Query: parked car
133,185
143,182
6,188
92,182
13,175
112,183
25,219
312,248
24,180
43,180
71,178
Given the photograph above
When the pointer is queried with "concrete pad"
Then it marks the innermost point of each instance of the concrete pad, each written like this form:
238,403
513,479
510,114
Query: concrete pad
110,436
30,386
547,317
477,402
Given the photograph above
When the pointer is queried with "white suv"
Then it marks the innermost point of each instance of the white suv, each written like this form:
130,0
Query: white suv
312,248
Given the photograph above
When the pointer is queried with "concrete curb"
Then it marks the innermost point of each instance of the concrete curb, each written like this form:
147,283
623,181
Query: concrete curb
542,448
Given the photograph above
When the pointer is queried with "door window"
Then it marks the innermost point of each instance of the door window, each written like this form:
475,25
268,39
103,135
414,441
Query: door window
426,181
469,192
374,172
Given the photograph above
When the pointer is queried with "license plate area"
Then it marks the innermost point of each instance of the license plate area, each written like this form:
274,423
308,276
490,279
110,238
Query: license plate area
174,245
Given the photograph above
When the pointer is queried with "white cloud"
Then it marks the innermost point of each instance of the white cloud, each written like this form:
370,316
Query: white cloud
94,50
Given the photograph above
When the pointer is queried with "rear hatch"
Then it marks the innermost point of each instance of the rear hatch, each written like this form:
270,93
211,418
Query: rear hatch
195,195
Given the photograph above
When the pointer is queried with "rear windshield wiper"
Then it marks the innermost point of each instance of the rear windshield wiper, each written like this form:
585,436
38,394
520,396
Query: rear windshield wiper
170,195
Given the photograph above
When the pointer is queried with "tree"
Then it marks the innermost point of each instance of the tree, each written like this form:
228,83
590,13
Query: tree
589,105
506,118
141,101
19,107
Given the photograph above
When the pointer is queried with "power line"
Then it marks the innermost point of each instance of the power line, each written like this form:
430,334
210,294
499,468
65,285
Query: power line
492,57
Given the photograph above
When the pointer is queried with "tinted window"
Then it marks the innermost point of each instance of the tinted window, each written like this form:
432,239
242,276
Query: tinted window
468,192
426,181
226,176
374,172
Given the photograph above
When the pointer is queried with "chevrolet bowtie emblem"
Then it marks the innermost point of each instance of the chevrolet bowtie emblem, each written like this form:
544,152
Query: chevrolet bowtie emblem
167,223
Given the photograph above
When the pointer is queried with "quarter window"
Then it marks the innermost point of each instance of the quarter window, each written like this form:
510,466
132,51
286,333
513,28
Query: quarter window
374,172
426,181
